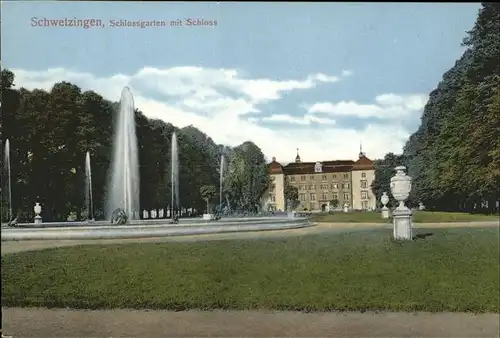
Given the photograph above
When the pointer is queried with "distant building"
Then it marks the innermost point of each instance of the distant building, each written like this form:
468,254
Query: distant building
318,183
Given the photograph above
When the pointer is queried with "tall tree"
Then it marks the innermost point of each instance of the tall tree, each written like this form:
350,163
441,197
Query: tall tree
248,176
454,156
384,170
50,132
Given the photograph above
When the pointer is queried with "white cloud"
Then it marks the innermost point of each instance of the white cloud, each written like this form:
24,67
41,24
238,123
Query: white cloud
303,120
218,101
346,73
386,106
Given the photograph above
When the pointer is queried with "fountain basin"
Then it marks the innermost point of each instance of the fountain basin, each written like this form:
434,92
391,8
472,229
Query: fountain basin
150,230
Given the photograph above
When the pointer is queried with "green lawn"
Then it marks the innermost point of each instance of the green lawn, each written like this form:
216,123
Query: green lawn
452,270
418,217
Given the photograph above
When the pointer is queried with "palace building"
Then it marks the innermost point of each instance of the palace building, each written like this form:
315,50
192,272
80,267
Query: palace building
318,183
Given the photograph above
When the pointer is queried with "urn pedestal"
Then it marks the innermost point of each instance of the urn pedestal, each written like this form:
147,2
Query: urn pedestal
400,189
402,224
208,217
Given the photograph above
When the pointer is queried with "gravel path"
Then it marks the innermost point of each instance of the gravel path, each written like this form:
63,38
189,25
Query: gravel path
18,246
43,323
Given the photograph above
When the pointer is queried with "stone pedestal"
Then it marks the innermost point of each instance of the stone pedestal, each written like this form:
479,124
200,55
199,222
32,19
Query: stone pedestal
402,224
208,217
38,219
385,212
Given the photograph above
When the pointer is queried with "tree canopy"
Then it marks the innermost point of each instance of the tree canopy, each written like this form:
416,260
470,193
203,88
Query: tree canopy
50,132
454,156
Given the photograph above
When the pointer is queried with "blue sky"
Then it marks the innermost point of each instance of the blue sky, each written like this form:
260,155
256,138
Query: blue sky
379,62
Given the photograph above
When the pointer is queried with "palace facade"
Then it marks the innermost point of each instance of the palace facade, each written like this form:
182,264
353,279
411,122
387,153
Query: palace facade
318,183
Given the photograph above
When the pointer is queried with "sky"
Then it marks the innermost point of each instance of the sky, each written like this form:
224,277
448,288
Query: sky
320,77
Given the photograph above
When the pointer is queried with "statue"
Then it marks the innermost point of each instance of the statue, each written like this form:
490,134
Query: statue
119,217
175,219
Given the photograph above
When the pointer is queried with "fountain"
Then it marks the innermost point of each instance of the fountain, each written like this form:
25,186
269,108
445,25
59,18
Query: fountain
123,187
174,155
8,188
122,205
89,204
222,170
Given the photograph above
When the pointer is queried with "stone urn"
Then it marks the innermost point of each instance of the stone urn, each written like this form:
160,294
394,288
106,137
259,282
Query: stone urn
37,209
384,200
401,187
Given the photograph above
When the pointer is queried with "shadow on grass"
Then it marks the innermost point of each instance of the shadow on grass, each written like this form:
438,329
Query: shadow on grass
422,235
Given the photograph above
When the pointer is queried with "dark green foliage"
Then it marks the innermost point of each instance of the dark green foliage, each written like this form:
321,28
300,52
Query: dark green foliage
291,193
454,156
452,270
248,177
208,192
384,170
50,132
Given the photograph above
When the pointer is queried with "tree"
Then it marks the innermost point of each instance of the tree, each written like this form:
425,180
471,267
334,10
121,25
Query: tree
208,192
334,203
50,132
291,196
384,171
454,155
7,78
248,177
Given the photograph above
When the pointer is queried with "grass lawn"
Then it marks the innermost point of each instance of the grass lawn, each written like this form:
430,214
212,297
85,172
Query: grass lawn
418,217
452,270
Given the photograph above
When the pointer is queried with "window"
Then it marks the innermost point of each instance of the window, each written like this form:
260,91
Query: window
345,186
292,178
273,198
312,197
364,184
364,204
273,187
363,175
334,175
346,175
346,196
324,186
324,197
302,197
312,206
311,177
335,186
324,178
335,196
302,187
364,195
302,178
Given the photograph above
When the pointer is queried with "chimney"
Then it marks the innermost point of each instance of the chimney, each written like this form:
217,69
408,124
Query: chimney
274,159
